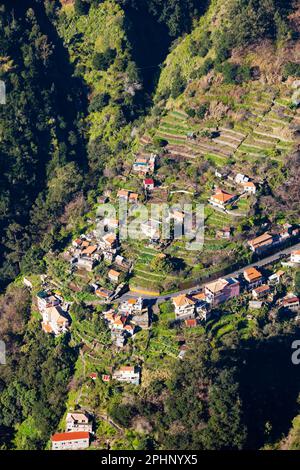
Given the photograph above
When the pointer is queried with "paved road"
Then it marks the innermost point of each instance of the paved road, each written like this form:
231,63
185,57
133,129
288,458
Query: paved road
263,262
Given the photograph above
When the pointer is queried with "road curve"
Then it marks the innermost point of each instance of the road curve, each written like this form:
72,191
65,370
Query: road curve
263,262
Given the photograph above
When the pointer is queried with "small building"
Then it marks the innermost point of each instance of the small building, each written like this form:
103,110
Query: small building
27,283
102,199
255,304
291,302
110,240
46,299
249,187
103,293
253,278
105,378
129,374
78,421
141,319
182,351
114,275
148,184
240,178
190,323
221,290
295,257
89,250
93,376
224,233
261,243
184,307
77,243
132,305
123,194
55,321
275,278
85,262
261,291
221,199
133,198
70,440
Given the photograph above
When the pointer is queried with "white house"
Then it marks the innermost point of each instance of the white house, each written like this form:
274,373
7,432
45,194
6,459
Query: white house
240,178
295,256
129,374
249,187
70,440
46,299
78,421
54,320
184,307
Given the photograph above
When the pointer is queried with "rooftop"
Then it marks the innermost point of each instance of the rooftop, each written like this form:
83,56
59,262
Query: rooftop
222,196
182,301
252,274
69,436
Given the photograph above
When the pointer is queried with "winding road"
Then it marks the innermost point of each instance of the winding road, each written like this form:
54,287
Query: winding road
260,263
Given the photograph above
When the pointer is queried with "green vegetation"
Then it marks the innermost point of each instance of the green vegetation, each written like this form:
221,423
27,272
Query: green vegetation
90,89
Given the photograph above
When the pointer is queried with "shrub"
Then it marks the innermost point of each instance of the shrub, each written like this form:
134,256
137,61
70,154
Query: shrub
99,102
178,85
160,142
102,60
81,7
201,111
202,46
291,69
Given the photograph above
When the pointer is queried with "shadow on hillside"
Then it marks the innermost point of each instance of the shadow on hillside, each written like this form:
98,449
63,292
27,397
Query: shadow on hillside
269,388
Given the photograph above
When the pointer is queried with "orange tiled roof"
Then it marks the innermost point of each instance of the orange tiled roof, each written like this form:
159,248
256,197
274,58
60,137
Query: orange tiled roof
70,436
182,300
222,196
262,240
216,286
262,288
252,274
126,369
114,273
123,193
46,328
199,296
90,250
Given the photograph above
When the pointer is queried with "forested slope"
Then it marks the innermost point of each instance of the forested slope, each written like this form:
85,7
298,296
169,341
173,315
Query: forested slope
90,84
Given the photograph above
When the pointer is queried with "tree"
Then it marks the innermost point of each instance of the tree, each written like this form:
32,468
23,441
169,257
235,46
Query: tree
103,60
178,83
81,7
225,429
161,264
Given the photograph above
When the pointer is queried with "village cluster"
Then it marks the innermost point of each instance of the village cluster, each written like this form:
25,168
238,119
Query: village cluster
196,306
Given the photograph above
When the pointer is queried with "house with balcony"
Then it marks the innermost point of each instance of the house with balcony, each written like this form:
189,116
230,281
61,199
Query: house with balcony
221,290
262,243
262,291
253,278
185,307
78,421
221,199
55,320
